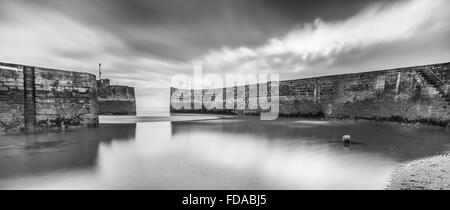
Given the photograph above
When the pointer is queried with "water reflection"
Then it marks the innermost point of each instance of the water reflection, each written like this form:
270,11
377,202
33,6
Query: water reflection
396,141
292,154
216,154
283,158
47,152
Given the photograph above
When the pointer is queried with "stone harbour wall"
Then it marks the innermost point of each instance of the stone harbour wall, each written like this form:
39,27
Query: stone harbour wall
65,97
34,98
115,99
405,94
117,107
11,99
412,94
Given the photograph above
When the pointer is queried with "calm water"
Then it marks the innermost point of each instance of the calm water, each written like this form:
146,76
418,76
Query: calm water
215,153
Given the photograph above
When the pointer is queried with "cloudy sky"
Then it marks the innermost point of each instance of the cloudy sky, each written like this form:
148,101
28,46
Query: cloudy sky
143,43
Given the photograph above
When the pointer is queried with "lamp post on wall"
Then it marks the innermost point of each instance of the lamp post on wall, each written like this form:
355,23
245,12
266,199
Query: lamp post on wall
100,71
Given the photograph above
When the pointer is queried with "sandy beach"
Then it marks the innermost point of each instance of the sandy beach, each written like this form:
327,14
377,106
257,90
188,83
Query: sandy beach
431,173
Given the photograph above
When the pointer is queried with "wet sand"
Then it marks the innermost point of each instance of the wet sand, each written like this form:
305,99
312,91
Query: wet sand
431,173
173,118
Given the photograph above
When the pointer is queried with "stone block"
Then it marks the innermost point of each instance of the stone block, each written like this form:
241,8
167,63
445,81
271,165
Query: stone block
45,100
4,109
46,111
45,106
6,116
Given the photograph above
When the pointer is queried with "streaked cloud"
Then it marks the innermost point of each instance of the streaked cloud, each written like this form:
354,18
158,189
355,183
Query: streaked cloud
324,41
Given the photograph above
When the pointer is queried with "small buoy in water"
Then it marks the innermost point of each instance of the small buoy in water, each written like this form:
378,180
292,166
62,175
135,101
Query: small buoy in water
346,139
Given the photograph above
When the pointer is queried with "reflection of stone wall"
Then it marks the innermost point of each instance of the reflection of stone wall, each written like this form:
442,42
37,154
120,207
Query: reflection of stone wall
80,148
405,94
35,97
115,99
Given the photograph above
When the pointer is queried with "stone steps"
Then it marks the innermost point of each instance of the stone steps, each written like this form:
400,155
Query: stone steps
435,88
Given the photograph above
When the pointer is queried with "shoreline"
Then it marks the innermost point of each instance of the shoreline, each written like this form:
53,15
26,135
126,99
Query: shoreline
178,117
397,119
431,173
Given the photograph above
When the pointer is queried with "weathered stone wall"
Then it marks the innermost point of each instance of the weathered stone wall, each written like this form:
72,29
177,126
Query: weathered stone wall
117,107
34,98
404,94
401,94
115,99
11,99
65,97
